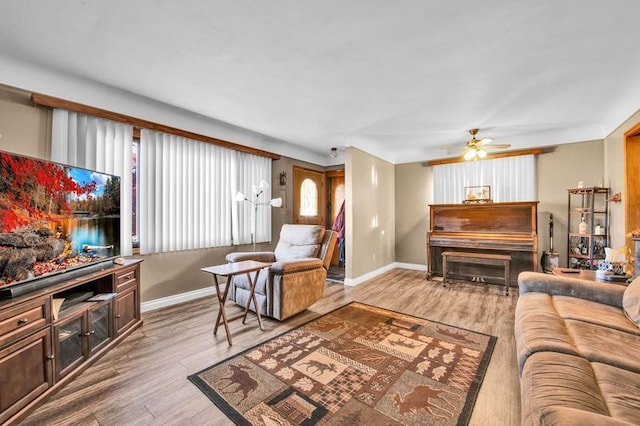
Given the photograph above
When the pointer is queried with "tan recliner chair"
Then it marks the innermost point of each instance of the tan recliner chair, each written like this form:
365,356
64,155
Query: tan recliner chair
296,278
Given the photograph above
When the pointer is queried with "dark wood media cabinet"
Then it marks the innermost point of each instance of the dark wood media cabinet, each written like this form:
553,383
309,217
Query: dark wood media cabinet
45,341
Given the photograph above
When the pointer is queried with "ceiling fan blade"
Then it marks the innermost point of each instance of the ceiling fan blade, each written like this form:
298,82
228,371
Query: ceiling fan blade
483,142
497,146
453,147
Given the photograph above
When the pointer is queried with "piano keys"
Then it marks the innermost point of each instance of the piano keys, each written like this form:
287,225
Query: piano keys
497,228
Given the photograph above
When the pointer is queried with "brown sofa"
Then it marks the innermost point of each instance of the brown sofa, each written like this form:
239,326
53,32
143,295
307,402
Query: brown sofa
578,351
296,278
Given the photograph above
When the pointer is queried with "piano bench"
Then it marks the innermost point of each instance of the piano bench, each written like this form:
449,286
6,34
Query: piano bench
503,260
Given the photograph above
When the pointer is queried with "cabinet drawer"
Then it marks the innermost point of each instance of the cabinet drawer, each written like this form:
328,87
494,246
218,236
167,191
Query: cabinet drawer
125,279
23,319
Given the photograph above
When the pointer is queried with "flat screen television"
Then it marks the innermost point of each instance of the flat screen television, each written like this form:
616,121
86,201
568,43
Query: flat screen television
57,220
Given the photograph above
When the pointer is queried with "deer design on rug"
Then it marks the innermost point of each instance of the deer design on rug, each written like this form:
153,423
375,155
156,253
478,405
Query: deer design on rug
423,398
239,381
319,367
403,343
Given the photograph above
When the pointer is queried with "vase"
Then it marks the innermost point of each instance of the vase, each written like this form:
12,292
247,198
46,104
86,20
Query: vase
582,228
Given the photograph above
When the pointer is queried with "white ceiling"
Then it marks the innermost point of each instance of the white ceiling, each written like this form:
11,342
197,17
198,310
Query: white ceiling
397,79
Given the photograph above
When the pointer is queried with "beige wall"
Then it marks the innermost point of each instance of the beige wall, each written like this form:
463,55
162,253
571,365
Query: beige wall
369,213
24,128
413,188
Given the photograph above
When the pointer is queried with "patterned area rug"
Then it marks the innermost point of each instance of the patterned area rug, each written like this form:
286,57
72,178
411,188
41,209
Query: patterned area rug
356,365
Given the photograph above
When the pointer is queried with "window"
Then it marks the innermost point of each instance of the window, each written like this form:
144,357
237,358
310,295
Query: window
177,193
187,190
510,178
308,198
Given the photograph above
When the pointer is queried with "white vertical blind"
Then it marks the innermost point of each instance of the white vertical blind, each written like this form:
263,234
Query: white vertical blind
251,169
510,178
187,191
98,144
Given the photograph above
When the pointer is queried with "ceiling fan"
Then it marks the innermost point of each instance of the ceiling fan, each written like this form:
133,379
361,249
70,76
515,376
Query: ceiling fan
477,148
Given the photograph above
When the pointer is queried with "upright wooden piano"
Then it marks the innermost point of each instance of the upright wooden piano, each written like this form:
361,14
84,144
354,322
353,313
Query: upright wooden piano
499,228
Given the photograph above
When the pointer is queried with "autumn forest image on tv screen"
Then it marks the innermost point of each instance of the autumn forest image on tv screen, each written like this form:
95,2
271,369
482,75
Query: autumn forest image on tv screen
54,218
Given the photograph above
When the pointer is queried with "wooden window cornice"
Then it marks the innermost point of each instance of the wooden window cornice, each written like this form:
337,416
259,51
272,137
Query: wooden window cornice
533,151
52,102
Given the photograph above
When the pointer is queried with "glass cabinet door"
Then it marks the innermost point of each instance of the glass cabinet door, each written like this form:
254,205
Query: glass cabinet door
99,326
68,342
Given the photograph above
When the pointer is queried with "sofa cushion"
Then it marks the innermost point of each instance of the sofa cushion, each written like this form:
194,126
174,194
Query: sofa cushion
554,379
301,235
631,301
299,241
621,391
242,281
593,312
602,344
539,328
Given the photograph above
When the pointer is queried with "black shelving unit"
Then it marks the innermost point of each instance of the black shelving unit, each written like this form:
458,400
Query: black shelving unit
585,247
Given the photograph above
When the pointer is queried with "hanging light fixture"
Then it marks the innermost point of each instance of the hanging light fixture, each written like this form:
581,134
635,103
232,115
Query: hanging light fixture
257,191
472,153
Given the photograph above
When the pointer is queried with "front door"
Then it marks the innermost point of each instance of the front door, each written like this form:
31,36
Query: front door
308,196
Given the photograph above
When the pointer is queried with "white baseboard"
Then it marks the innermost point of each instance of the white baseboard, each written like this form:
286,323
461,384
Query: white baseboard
163,302
412,266
379,271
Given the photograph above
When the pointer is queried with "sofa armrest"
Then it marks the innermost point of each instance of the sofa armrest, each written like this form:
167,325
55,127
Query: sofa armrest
295,265
258,256
537,282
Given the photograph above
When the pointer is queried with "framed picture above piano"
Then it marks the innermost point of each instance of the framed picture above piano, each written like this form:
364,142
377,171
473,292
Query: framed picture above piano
477,194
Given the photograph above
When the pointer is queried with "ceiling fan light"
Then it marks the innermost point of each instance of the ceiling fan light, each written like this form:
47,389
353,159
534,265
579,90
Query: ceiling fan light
470,155
482,153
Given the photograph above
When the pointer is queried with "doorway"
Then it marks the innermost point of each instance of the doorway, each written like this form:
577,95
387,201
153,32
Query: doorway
318,199
336,221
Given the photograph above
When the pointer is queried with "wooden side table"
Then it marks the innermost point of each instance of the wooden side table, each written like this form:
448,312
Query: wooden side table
230,270
583,274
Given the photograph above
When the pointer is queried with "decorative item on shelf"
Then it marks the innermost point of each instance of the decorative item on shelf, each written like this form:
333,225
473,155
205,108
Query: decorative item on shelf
582,227
615,198
258,190
477,194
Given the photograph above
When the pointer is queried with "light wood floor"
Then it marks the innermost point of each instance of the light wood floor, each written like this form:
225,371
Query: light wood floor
144,379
